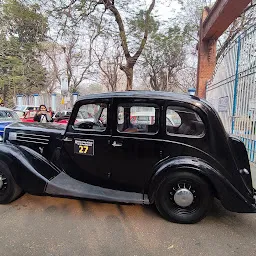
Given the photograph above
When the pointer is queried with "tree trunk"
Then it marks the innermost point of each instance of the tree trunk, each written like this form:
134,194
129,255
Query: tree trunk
128,70
129,76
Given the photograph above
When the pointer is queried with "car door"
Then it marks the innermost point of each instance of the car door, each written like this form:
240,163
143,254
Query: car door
86,150
136,143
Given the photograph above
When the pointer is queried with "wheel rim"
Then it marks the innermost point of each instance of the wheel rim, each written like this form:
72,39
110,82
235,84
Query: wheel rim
183,197
3,183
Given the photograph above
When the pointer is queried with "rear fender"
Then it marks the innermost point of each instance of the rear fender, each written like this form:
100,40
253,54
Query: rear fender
223,189
30,170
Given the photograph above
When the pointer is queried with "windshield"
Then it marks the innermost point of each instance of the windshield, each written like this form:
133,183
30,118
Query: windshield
6,115
92,112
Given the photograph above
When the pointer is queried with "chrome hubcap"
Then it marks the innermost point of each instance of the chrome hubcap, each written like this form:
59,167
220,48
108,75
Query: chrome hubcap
183,197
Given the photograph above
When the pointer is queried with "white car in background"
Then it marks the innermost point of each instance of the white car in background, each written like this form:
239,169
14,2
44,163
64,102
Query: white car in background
22,109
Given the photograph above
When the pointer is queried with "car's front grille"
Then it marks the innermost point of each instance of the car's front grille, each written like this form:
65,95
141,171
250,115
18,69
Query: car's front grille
33,138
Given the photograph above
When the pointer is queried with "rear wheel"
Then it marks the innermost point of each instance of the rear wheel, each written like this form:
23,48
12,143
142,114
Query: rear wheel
9,190
183,197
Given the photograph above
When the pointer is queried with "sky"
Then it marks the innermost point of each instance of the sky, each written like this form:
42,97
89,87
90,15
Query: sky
166,9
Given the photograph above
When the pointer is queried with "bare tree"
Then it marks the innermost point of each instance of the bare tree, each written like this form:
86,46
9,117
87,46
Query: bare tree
110,5
109,59
51,59
72,58
130,59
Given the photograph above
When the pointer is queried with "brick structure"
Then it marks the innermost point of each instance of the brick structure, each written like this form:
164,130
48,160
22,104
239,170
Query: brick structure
206,59
213,23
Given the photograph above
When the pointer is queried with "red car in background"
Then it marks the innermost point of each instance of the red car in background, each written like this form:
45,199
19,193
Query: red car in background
28,117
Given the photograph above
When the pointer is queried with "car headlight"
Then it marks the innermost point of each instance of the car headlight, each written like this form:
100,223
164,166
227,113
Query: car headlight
1,138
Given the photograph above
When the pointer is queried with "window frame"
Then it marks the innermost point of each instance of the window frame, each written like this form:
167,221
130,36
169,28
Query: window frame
180,108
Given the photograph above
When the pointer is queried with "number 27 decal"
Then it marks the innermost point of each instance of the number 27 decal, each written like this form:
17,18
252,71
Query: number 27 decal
83,149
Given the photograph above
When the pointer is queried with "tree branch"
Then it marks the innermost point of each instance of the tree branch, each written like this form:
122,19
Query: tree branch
145,37
120,23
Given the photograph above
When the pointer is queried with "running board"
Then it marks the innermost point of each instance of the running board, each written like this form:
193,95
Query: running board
64,185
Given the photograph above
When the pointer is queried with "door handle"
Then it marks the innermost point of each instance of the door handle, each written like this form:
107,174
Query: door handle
67,139
115,144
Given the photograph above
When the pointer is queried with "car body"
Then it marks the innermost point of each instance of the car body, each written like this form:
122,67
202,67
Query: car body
179,161
62,117
23,109
7,116
62,113
28,117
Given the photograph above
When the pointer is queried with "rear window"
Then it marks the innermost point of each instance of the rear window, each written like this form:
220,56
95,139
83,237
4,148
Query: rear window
32,108
183,121
137,119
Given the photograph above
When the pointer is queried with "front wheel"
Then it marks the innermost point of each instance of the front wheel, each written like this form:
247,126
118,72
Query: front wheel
183,197
9,190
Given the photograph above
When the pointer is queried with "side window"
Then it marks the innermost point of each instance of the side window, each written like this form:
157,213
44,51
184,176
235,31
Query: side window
183,121
92,117
137,119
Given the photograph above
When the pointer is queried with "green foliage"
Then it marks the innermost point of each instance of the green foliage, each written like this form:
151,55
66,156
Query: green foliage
20,68
163,57
137,23
191,13
24,22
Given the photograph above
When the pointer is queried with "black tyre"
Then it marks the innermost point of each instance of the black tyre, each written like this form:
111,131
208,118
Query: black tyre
9,190
183,197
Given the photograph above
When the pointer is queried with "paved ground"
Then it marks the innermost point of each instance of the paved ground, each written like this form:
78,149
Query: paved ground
36,225
253,170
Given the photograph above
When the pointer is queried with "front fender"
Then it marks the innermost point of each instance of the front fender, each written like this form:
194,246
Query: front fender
30,170
231,198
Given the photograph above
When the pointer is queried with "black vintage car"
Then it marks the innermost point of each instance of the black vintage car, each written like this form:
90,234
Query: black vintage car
158,148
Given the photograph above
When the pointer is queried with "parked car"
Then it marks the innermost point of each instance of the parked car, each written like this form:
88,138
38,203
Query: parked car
62,117
178,164
21,110
7,116
62,113
28,117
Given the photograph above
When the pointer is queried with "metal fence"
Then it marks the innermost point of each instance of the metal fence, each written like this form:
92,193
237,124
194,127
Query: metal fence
232,90
46,99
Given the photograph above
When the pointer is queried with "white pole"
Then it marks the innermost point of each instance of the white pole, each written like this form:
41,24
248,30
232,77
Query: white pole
54,102
75,96
36,99
19,99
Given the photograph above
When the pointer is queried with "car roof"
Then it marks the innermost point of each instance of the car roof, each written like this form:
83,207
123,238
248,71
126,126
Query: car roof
65,110
142,94
26,106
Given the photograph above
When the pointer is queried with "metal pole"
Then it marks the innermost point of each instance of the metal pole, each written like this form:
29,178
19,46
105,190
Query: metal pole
236,84
167,78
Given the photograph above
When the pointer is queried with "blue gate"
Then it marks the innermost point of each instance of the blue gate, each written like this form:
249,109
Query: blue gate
232,90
